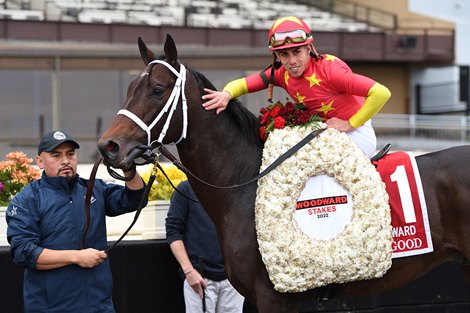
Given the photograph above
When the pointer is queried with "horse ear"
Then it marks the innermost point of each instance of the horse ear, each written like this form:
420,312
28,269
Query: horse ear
170,50
146,54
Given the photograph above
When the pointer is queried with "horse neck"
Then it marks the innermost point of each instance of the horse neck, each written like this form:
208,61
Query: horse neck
222,159
216,150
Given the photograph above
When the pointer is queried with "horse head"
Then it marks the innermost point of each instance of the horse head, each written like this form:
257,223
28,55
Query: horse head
155,99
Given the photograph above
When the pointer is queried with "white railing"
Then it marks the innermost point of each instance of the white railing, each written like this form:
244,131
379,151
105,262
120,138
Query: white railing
422,132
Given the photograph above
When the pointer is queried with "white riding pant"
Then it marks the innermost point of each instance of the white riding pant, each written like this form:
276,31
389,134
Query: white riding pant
220,297
364,137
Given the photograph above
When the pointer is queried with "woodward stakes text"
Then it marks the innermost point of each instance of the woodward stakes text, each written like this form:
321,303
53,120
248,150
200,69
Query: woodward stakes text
321,205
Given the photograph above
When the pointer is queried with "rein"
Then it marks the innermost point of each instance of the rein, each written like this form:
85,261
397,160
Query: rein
89,193
172,103
273,165
140,206
180,165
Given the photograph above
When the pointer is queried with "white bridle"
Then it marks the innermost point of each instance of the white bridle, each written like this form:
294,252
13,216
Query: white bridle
172,102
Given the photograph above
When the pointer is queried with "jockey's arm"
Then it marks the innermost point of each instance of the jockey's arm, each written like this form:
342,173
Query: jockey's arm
234,89
377,96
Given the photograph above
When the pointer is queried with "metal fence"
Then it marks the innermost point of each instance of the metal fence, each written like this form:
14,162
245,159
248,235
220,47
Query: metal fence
422,132
404,131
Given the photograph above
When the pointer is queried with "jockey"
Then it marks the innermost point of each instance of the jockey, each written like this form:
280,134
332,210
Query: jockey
346,101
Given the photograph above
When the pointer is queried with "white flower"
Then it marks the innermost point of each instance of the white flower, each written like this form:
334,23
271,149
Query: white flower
296,262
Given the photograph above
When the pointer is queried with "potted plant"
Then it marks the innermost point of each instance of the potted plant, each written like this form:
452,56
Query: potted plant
154,214
16,172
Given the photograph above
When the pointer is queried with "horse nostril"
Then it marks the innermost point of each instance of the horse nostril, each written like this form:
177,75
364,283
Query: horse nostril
109,149
112,147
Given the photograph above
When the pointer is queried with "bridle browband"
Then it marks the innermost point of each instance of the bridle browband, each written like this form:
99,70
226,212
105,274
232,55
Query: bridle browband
171,103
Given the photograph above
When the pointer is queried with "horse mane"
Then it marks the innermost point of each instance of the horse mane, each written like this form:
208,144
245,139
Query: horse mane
247,122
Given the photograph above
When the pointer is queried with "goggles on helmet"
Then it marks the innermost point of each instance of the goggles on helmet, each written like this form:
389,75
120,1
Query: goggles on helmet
294,36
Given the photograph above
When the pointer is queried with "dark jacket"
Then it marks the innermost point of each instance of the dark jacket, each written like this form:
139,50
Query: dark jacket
49,213
188,221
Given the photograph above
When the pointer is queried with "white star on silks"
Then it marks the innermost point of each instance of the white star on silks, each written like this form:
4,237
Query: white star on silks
13,211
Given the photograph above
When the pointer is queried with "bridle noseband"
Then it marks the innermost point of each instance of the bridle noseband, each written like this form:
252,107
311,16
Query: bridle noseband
171,103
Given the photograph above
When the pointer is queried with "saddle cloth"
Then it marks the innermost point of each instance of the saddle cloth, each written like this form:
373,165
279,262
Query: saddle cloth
325,208
410,223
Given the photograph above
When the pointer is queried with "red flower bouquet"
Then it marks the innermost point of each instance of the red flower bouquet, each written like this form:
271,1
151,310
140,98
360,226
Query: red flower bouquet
279,115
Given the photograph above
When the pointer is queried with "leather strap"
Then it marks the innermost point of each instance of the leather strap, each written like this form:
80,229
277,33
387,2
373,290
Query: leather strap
278,161
178,164
264,78
91,183
140,206
89,193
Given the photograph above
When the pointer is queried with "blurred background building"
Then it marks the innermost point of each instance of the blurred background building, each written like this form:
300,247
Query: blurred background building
67,63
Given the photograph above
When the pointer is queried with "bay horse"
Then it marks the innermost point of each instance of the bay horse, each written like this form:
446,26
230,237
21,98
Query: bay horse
225,149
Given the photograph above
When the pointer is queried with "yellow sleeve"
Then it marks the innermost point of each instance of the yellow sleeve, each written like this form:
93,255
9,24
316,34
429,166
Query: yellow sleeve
376,98
237,88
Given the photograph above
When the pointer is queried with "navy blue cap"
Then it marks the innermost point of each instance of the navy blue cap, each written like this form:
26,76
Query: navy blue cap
53,139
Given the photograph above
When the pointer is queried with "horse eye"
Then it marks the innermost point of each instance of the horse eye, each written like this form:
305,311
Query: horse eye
158,91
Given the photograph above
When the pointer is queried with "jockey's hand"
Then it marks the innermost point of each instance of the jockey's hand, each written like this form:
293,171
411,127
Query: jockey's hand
216,100
338,124
196,282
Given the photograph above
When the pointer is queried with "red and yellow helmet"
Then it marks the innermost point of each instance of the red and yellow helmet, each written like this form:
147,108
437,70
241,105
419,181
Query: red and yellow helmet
288,32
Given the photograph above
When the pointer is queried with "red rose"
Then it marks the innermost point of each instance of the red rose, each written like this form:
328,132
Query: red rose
303,119
275,111
262,133
279,122
263,110
264,119
297,113
289,107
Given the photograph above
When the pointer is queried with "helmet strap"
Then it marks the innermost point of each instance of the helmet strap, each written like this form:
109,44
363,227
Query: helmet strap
275,65
314,53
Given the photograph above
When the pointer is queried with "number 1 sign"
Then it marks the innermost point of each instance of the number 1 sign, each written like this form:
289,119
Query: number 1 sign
410,224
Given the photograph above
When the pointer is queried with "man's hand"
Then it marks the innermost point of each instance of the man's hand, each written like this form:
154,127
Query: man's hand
196,282
338,124
87,258
216,100
136,183
90,257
